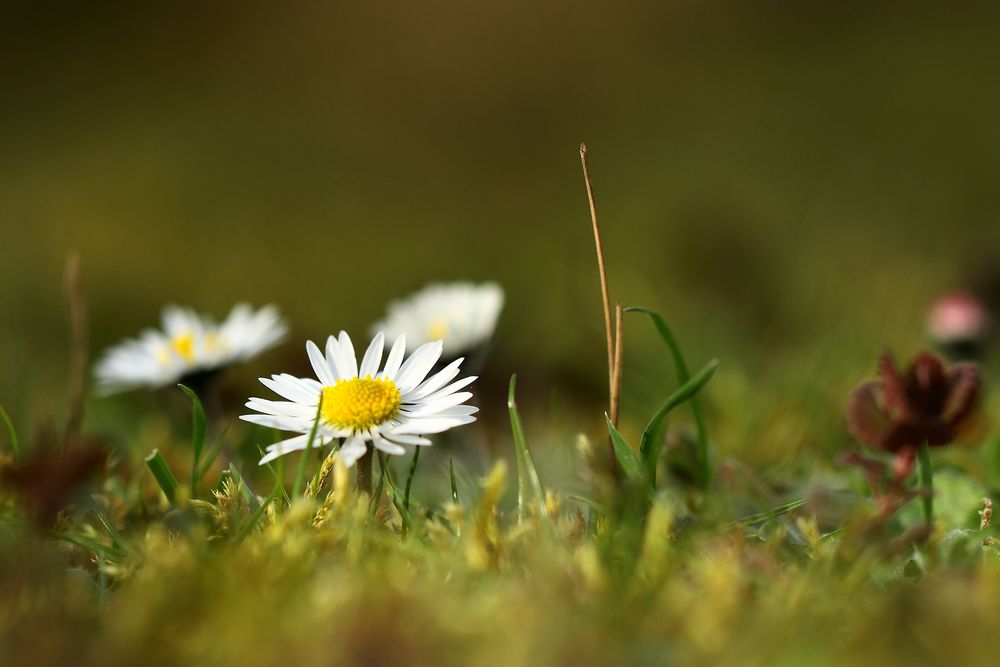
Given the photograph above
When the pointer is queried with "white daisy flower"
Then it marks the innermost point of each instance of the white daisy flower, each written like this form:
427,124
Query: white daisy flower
463,315
188,344
391,407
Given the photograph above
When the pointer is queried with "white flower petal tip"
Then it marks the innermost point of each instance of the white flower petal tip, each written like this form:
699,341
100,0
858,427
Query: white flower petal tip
188,343
463,315
388,407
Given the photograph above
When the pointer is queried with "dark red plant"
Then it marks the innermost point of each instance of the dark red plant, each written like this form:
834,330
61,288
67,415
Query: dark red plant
925,404
903,410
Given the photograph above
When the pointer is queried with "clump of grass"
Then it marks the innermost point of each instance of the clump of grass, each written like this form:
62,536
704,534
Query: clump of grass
662,551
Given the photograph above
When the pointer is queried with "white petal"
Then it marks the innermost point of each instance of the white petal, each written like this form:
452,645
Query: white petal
436,381
347,361
282,408
450,389
280,423
431,407
295,444
373,357
353,449
387,447
395,358
415,369
320,367
403,439
294,389
424,426
332,352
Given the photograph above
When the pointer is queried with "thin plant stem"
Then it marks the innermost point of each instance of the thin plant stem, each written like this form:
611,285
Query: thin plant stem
78,349
616,375
926,482
608,333
409,477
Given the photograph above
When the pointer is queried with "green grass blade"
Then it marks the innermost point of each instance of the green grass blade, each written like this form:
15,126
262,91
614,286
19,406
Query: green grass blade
300,473
626,457
393,491
90,544
409,477
208,458
454,481
248,495
769,514
926,472
681,370
116,538
526,472
163,475
649,446
15,445
252,523
197,432
278,475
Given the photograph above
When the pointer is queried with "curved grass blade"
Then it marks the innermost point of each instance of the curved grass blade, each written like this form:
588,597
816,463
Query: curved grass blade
248,495
394,496
681,369
163,475
626,457
649,446
15,446
300,473
90,544
454,481
197,432
252,523
409,477
212,453
526,473
116,538
769,514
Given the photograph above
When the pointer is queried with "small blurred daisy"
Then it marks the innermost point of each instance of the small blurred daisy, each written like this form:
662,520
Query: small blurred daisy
390,407
463,315
188,344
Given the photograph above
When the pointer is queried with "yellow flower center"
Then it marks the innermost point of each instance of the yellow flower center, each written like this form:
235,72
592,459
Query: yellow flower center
437,330
360,403
183,345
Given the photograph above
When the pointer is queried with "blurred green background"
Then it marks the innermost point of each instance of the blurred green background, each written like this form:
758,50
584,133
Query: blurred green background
788,183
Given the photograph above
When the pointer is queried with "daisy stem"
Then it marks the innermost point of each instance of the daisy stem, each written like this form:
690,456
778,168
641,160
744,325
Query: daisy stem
926,473
364,466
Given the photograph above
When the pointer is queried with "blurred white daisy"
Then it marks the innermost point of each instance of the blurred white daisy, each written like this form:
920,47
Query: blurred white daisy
463,315
391,407
188,343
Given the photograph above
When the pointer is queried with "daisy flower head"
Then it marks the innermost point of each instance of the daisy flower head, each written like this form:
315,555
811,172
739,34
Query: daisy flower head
187,344
388,405
461,314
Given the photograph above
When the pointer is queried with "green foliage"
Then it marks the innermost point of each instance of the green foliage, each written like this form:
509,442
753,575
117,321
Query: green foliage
163,475
15,445
197,434
526,473
685,387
